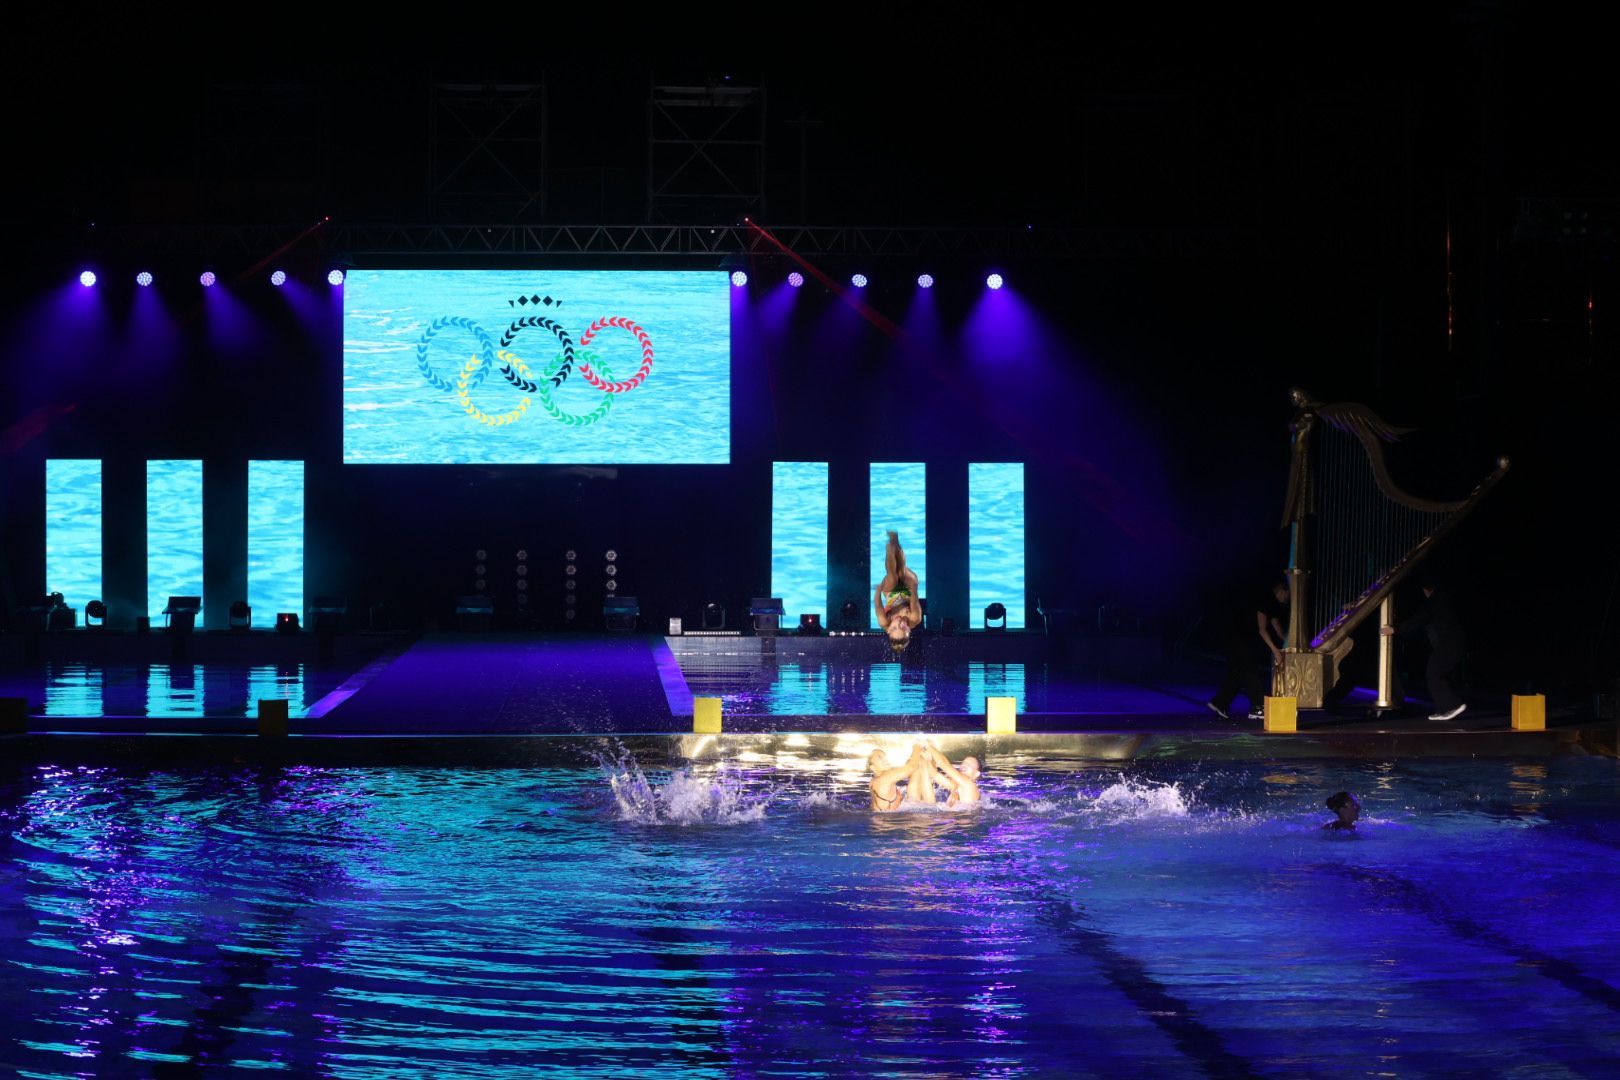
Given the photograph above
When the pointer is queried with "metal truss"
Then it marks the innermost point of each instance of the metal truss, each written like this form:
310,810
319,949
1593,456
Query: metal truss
705,151
360,243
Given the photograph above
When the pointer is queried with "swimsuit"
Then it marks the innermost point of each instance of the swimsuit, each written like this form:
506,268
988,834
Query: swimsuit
899,797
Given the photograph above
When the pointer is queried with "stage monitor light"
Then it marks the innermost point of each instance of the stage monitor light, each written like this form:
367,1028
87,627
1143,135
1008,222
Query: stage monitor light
335,277
144,278
995,281
796,279
739,278
97,611
88,278
994,612
925,281
279,277
859,281
208,279
810,624
241,615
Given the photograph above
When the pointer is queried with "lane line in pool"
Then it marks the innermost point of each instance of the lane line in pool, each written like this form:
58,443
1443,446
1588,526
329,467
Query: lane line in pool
1195,1039
1417,900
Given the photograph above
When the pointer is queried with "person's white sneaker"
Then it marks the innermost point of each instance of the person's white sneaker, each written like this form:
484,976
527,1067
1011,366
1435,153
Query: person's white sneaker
1218,711
1449,714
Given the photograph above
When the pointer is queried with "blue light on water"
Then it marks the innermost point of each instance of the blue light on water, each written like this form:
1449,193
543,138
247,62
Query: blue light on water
799,690
996,541
275,568
175,691
174,534
74,690
894,690
996,680
898,497
650,380
73,530
267,681
799,538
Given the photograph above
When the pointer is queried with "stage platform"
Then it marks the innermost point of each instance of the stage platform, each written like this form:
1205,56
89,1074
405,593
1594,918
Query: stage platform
1104,697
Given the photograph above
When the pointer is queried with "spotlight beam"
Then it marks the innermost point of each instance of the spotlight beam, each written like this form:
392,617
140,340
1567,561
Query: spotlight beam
843,292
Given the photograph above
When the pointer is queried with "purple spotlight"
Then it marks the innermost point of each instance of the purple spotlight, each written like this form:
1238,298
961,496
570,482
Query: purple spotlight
144,278
859,281
738,278
925,281
335,278
88,278
995,281
208,279
279,277
795,279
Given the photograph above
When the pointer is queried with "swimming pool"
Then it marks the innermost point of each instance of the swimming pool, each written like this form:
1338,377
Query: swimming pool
1166,919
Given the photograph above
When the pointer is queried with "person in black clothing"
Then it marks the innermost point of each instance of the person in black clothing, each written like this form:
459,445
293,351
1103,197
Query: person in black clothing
1438,620
1252,642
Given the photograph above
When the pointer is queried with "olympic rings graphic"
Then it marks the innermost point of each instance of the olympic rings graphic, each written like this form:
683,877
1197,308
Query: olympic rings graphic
517,373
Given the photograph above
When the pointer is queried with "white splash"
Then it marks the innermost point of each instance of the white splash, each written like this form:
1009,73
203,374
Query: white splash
684,799
1130,800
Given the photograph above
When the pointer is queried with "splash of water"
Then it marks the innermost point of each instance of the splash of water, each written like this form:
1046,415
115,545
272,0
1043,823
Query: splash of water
1132,800
686,798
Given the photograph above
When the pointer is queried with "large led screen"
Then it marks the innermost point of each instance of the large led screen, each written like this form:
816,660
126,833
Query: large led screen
559,367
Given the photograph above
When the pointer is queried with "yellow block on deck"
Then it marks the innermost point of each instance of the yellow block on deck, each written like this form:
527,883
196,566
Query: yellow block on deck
272,716
1000,716
1281,714
705,716
1529,712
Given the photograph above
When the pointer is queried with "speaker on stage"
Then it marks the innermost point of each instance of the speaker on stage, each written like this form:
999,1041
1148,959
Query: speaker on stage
810,624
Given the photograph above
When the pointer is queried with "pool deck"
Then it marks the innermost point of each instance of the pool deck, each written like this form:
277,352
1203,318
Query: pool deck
531,699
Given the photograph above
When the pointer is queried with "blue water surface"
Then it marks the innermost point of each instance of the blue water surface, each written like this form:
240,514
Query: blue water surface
1174,919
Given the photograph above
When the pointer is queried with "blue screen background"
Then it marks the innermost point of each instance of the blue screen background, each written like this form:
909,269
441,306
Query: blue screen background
394,414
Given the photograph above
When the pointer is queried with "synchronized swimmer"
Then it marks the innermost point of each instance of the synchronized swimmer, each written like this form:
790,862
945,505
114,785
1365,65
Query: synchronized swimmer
921,771
897,601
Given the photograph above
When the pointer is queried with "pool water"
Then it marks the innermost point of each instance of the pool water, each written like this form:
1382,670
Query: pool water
171,691
1165,919
813,687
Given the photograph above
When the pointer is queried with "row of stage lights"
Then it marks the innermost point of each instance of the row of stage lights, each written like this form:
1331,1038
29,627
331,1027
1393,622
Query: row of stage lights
207,280
739,278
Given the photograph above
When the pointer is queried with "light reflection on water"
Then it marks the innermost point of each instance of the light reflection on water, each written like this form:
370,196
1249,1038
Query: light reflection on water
1165,919
816,687
176,690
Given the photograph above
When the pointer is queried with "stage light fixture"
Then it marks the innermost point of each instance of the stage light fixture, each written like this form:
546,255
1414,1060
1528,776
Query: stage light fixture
795,279
241,615
335,277
88,278
859,281
95,614
208,279
925,281
143,279
995,281
739,278
287,622
279,277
